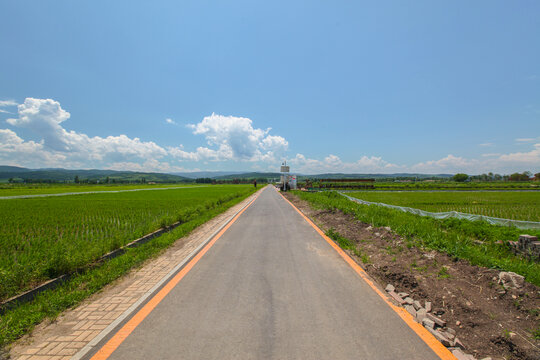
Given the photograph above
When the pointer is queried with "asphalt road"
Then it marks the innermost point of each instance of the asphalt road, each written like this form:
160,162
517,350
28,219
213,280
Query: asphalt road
272,288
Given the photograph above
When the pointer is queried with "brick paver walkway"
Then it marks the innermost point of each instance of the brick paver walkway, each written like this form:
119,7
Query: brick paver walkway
74,329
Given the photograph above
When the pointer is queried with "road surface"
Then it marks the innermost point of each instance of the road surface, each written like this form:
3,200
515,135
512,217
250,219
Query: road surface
271,288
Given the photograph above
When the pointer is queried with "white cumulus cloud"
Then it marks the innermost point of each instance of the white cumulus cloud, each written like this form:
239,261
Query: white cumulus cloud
333,163
233,138
44,117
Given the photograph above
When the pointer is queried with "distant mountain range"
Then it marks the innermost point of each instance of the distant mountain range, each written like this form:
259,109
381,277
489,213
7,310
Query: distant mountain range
206,174
61,175
51,174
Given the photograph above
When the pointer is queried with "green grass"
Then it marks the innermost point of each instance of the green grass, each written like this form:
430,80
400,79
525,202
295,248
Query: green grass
42,238
38,189
452,236
501,204
18,321
347,244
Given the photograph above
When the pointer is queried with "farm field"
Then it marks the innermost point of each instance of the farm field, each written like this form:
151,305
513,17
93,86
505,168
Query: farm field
502,204
16,190
42,238
452,185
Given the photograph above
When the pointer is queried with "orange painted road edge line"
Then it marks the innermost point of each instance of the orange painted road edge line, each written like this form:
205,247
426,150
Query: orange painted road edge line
128,328
439,349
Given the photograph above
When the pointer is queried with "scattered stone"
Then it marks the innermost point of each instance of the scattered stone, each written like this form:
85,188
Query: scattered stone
411,310
428,323
428,306
377,234
451,331
369,228
429,255
437,321
511,280
439,312
526,245
449,335
397,297
403,294
487,358
440,336
459,344
390,288
388,228
409,300
460,355
417,305
421,314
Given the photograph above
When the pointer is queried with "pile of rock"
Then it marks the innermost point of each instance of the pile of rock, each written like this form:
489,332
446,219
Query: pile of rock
527,245
432,323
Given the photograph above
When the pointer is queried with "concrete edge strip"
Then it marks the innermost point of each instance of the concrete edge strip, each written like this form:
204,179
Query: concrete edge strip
95,341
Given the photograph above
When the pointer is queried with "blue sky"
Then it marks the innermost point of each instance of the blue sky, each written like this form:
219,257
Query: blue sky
342,86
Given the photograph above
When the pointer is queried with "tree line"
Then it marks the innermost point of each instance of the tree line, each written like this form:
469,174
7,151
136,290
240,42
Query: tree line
525,176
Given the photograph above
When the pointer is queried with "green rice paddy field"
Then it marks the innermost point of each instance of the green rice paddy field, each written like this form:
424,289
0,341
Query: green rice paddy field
44,237
502,204
39,189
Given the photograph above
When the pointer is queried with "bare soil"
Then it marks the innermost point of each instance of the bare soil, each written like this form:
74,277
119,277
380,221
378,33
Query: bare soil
489,320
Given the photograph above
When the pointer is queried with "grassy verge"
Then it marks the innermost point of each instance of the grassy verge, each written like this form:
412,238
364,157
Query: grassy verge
476,242
347,244
49,304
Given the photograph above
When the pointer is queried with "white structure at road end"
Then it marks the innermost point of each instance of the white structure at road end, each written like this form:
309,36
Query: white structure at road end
287,181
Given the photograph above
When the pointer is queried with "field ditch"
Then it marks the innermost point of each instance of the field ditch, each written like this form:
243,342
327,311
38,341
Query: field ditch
489,320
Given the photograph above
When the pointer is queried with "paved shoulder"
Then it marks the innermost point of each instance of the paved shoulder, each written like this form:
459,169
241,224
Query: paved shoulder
272,288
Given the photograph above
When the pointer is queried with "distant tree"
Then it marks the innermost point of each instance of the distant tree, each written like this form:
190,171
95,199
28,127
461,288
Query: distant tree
10,180
537,176
203,180
76,180
526,176
107,180
460,177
